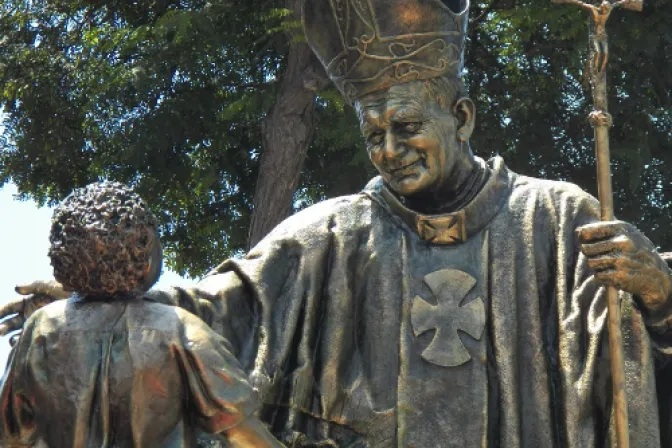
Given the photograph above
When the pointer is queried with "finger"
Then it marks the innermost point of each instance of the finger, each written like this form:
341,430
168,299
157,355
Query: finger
30,288
619,264
13,324
610,277
616,278
592,233
49,288
13,307
618,244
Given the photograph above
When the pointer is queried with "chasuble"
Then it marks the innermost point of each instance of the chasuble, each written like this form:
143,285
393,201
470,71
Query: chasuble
364,324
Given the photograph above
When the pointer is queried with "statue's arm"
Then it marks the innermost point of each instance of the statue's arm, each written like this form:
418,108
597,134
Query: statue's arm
660,328
17,407
15,313
586,6
660,322
224,302
620,255
635,5
195,300
616,253
220,398
205,302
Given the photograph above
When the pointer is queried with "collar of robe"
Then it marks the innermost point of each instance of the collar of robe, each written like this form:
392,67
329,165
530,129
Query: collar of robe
456,227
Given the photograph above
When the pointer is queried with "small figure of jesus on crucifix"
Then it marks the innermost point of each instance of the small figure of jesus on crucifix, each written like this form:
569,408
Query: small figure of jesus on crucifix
600,14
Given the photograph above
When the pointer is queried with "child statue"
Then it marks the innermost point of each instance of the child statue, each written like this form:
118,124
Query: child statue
108,367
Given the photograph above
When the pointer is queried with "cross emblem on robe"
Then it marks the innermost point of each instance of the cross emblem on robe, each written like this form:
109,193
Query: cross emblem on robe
450,287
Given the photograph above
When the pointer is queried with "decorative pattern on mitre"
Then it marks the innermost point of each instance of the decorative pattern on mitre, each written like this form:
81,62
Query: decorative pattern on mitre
370,45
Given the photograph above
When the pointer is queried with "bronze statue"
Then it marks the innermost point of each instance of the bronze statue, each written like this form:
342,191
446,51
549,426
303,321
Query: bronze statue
107,368
599,15
451,303
601,120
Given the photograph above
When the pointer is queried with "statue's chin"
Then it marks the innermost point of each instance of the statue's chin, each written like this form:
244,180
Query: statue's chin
409,185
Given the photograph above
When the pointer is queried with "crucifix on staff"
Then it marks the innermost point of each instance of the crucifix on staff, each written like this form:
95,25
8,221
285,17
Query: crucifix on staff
599,15
601,121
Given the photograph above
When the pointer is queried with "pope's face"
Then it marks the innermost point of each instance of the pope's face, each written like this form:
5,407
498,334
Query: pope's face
410,139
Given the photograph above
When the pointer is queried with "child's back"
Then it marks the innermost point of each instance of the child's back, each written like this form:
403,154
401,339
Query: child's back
122,373
109,368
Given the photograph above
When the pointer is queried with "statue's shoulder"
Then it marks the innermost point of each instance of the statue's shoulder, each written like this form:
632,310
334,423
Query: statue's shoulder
55,318
343,212
54,312
555,191
79,314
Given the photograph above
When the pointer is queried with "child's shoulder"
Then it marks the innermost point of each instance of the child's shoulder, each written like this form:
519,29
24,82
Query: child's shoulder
55,310
161,316
49,319
77,314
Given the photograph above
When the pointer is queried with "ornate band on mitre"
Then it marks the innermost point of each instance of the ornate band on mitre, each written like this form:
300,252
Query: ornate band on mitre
369,45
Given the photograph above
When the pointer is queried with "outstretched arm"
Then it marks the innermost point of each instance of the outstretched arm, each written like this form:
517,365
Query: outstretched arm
635,5
586,6
204,300
41,293
38,294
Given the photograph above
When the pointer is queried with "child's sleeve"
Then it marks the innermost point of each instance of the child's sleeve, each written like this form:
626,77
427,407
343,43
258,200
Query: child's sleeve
17,425
219,394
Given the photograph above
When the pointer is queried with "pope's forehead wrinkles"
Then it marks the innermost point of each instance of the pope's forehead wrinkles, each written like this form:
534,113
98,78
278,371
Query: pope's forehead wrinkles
375,105
392,109
409,111
405,100
395,105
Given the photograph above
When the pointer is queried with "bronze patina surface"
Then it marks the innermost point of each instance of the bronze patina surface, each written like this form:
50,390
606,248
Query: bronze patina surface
109,368
601,120
449,287
450,303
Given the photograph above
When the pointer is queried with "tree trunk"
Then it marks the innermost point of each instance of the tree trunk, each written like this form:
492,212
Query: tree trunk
287,134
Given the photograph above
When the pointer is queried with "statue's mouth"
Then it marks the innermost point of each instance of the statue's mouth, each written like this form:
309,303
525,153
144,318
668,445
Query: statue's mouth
406,166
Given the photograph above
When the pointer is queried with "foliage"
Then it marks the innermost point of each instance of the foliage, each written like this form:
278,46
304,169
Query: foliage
169,96
165,95
526,64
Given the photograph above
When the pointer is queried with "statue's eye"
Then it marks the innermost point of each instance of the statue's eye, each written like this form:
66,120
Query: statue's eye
412,128
376,138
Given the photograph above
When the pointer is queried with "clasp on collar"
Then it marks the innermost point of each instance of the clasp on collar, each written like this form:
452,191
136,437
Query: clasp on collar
446,229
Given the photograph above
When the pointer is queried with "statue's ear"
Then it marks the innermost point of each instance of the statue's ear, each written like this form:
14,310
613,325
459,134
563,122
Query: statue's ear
465,111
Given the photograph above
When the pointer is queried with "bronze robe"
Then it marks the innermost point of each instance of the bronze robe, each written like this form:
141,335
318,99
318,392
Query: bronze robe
364,324
120,374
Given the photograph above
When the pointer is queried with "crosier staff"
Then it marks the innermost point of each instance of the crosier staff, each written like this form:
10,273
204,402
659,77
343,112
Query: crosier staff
601,121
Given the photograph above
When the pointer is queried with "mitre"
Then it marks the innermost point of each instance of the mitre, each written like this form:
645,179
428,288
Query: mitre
370,45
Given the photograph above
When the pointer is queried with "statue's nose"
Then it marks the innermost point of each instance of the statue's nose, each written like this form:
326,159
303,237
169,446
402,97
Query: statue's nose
392,148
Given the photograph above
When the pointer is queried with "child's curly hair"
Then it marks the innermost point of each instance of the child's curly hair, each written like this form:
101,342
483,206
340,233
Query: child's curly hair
104,242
